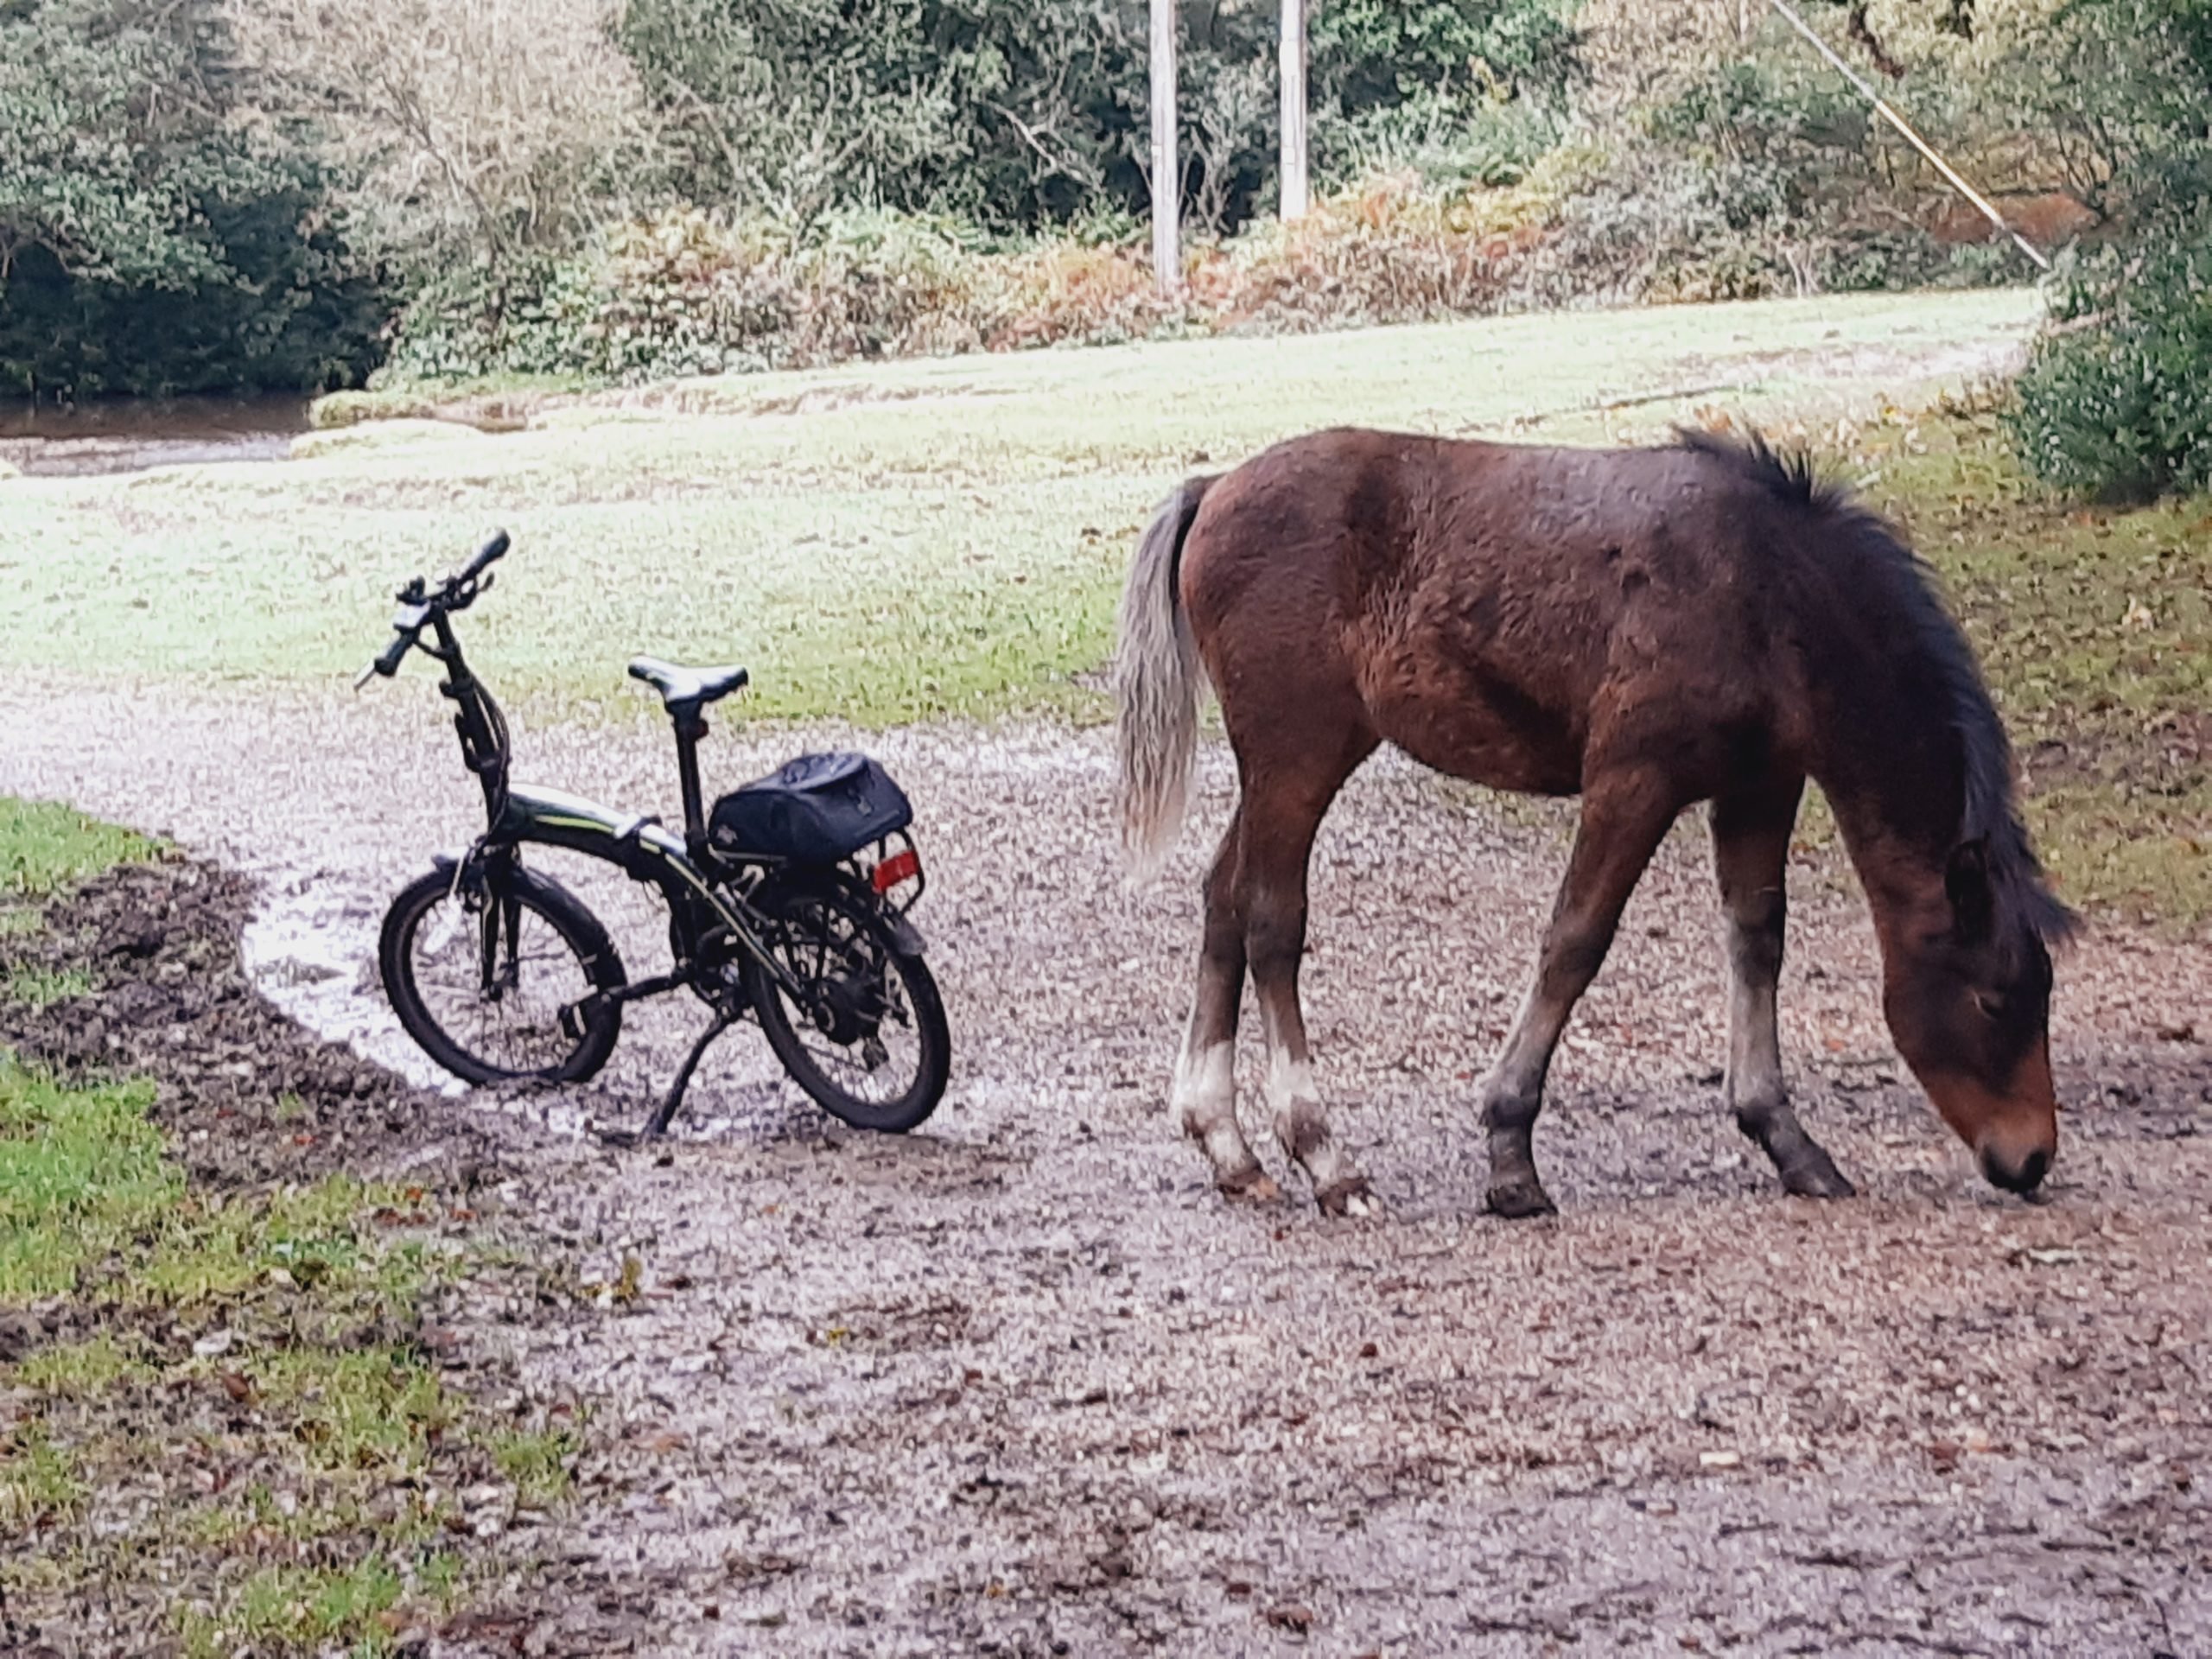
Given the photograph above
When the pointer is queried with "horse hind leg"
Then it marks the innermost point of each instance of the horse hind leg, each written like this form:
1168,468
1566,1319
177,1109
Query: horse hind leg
1278,829
1205,1097
1750,850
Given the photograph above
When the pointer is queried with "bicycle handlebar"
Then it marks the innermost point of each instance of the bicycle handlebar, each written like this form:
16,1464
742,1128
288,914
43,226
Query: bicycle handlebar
456,592
487,556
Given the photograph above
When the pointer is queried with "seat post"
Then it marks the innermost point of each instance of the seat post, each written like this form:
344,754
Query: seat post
690,727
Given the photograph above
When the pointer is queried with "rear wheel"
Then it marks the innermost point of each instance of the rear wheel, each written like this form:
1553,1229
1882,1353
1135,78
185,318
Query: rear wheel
492,983
866,1036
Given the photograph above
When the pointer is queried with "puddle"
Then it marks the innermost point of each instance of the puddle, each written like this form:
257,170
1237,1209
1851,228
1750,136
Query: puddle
311,948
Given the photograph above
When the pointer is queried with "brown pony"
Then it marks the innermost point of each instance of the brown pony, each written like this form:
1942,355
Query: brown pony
1647,629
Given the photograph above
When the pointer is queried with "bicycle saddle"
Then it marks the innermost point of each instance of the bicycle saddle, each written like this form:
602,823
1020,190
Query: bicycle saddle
685,691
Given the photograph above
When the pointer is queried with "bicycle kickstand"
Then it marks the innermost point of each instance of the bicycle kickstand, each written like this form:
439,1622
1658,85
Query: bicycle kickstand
657,1125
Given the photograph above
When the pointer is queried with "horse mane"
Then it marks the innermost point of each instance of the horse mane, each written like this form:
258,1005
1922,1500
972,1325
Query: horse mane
1991,812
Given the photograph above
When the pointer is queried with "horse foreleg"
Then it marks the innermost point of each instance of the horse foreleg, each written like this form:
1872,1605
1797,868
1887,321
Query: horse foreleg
1624,818
1750,851
1278,841
1206,1084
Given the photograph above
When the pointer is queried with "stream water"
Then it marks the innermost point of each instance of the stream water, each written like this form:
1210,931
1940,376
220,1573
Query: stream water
131,434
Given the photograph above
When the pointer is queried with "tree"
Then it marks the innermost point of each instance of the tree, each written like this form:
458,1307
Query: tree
1009,114
149,242
101,179
495,125
1017,115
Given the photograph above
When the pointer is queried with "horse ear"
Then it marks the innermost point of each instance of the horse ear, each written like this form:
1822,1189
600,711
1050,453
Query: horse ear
1965,883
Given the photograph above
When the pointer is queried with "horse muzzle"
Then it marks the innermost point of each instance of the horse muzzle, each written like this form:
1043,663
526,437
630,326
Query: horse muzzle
2022,1174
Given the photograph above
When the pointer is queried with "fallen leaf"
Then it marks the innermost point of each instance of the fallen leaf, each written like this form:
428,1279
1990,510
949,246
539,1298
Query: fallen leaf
631,1280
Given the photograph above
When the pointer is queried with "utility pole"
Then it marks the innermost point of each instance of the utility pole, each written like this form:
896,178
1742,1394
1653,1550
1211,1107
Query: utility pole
1166,166
1297,191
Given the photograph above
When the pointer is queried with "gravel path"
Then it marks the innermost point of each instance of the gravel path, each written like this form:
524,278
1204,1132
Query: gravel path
1021,1383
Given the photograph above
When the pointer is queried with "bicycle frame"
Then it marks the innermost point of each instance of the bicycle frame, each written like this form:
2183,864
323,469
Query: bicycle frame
697,885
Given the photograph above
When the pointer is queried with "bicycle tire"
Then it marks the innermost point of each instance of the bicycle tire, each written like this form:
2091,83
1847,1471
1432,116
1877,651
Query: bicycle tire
867,957
583,943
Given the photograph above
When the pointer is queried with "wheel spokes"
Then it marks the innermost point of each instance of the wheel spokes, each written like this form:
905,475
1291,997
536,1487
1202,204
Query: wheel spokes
831,955
499,989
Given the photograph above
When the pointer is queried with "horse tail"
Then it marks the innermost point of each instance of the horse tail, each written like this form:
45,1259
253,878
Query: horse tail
1157,678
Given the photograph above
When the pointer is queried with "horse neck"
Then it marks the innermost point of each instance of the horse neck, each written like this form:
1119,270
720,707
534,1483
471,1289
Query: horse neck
1893,770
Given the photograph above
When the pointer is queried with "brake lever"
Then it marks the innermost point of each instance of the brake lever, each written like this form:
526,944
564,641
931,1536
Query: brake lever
459,595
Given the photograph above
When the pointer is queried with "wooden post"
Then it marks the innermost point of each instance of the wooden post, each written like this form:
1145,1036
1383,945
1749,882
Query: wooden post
1297,191
1166,165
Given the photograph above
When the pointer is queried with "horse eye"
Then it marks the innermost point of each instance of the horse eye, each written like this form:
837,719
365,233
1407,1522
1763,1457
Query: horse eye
1991,1004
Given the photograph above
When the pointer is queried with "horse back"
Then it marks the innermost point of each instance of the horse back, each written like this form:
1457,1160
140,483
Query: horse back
1507,613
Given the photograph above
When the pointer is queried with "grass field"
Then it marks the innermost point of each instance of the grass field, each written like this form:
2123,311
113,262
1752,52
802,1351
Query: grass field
905,541
888,542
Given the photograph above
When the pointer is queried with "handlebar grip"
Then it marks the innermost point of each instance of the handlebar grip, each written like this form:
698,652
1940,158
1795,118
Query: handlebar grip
489,554
394,654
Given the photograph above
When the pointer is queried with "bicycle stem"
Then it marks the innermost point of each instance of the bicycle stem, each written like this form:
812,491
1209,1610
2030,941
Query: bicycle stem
476,717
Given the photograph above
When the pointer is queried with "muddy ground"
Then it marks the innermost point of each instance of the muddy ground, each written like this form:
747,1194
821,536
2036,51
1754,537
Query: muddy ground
251,1097
250,1103
1022,1383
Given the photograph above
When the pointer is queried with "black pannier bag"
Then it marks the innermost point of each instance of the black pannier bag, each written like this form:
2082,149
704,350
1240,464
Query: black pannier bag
815,810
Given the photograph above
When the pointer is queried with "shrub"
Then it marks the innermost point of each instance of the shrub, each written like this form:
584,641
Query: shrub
683,293
679,294
2117,404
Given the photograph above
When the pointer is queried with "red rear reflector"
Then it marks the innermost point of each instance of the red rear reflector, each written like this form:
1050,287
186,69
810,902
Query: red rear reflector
899,867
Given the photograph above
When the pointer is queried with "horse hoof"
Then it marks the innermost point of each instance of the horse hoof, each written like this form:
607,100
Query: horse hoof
1254,1186
1817,1179
1519,1200
1352,1197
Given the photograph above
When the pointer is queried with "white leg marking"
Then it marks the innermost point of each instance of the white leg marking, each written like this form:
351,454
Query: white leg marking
1294,1102
1754,1042
1205,1087
1204,1100
1289,1083
1523,1063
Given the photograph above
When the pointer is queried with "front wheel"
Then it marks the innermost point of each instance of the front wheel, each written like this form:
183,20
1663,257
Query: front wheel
866,1036
498,980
